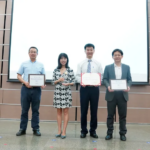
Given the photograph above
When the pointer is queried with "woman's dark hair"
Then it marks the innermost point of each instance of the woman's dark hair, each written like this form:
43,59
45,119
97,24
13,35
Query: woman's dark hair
59,57
117,50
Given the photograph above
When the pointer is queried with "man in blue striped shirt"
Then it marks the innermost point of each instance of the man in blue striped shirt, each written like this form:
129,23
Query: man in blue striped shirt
30,95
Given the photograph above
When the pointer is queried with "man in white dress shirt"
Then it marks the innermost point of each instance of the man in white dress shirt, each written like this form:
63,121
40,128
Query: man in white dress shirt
117,70
89,93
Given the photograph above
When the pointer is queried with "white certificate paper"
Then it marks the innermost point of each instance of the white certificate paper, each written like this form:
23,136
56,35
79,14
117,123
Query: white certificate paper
36,80
90,79
118,84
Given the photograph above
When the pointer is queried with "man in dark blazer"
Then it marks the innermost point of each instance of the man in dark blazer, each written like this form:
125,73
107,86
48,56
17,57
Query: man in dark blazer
117,70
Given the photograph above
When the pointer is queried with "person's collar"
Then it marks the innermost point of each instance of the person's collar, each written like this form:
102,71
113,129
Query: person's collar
117,66
32,61
89,59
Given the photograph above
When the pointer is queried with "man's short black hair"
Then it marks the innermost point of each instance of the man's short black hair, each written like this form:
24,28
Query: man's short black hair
117,50
34,48
89,45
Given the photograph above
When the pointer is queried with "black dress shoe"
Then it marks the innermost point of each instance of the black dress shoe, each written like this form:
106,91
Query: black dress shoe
21,132
82,135
108,137
123,138
94,135
37,132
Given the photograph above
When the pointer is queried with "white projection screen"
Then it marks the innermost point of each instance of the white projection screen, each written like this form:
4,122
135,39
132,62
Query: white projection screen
56,26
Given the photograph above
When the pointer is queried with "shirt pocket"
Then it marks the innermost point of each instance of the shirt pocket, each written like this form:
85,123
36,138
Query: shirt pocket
39,70
27,69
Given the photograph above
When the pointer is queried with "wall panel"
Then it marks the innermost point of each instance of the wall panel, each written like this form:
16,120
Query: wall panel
2,7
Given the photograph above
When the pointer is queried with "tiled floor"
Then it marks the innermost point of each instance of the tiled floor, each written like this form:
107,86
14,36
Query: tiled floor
138,138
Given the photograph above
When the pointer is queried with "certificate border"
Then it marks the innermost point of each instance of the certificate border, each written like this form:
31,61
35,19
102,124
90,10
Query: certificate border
91,85
36,75
117,89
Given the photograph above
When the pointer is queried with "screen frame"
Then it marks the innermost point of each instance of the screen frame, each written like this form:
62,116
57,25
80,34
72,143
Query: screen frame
49,81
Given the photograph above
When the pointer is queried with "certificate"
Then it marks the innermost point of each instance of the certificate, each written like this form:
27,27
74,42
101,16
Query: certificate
90,79
118,84
36,80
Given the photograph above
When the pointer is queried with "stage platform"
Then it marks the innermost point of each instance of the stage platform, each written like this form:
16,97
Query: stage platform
138,138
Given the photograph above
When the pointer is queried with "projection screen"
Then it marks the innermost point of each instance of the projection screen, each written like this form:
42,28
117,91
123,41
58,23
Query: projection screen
56,26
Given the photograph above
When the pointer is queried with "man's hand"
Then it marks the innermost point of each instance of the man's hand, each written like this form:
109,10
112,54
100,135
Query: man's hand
27,85
109,89
96,85
61,79
83,85
127,89
43,87
66,84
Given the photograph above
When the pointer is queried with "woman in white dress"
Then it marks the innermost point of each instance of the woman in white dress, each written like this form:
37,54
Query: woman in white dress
63,78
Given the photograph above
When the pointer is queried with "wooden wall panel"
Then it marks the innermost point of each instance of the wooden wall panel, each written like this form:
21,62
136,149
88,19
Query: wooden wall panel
6,53
7,37
47,113
0,52
47,98
9,6
10,85
102,101
101,116
50,113
78,98
74,98
8,21
1,36
1,96
139,100
5,67
12,111
140,88
11,96
0,69
138,116
1,21
2,7
134,89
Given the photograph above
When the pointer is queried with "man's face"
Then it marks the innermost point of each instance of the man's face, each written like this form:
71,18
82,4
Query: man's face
89,52
117,56
33,53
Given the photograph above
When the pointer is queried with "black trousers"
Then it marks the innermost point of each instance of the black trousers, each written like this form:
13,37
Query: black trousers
89,94
121,103
30,96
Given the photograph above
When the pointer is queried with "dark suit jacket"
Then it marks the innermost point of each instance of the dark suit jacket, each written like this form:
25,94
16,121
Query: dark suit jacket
109,73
